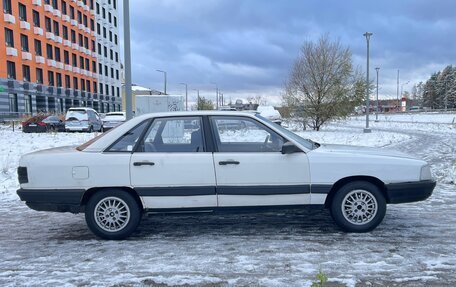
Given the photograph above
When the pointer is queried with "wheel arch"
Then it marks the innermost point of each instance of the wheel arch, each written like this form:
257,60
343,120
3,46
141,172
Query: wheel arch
343,181
90,192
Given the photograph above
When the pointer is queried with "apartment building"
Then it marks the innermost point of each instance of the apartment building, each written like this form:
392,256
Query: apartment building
59,54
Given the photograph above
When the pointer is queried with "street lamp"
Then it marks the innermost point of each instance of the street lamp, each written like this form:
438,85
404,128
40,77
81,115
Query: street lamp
367,130
127,60
164,74
376,114
216,96
186,95
197,98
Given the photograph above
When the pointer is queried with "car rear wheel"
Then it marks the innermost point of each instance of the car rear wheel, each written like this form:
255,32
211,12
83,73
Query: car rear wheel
90,129
112,214
358,206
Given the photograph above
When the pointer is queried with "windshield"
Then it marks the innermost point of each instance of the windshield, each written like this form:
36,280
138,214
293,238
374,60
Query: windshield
76,115
305,142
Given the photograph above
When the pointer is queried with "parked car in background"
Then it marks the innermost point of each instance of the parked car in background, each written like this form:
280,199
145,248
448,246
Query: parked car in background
189,162
113,119
270,113
43,123
83,120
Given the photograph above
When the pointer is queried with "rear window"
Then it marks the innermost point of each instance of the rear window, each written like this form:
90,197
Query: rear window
76,115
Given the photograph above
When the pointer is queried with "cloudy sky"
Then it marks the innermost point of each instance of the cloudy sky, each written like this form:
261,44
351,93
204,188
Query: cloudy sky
247,47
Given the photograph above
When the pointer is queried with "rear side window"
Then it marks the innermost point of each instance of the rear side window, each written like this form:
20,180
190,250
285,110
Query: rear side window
127,142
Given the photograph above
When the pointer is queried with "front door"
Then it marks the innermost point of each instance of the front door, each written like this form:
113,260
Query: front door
171,168
250,168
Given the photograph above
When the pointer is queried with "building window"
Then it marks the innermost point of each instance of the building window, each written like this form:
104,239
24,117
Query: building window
56,28
107,89
39,75
104,13
118,94
49,53
59,79
99,48
112,91
81,40
86,42
55,4
65,32
83,85
38,50
115,21
9,38
112,73
81,62
73,37
74,60
57,54
98,8
106,70
105,51
51,78
88,86
114,4
93,46
67,82
98,29
36,19
87,64
11,70
64,7
105,35
115,39
94,84
94,66
101,89
109,18
79,17
72,12
24,43
92,25
7,9
111,54
28,104
75,83
22,12
13,103
66,57
26,73
100,69
84,20
48,24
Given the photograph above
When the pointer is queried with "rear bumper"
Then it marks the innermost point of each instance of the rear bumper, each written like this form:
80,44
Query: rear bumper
67,200
409,191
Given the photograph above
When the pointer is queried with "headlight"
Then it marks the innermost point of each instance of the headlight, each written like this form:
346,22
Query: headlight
425,173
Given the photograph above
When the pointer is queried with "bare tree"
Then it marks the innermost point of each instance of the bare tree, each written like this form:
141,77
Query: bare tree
323,84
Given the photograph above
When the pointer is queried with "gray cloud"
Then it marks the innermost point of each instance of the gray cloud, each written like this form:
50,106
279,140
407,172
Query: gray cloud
247,47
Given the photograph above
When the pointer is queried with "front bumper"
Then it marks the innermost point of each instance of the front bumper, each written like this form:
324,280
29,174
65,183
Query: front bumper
409,191
63,200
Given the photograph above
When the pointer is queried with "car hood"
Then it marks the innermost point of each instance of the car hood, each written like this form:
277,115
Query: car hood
362,150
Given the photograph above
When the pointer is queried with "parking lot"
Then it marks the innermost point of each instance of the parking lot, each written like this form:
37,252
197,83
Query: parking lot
414,246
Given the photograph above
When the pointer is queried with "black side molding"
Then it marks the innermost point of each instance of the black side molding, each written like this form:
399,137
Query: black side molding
409,191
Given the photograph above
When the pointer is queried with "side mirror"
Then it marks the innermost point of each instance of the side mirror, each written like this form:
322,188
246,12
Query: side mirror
289,147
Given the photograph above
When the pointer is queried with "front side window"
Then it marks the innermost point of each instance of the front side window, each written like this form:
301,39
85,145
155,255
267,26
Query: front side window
239,134
183,134
127,142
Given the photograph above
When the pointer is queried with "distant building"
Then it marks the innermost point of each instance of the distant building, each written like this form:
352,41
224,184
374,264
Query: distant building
137,91
59,54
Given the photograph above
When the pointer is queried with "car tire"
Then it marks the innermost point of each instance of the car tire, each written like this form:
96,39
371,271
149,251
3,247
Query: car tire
112,214
90,130
358,206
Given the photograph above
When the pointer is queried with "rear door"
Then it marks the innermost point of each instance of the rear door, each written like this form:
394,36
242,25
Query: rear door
171,168
250,168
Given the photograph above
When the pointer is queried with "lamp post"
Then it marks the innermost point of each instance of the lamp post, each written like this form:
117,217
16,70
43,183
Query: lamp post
164,74
127,60
186,95
367,130
216,95
397,104
402,87
376,114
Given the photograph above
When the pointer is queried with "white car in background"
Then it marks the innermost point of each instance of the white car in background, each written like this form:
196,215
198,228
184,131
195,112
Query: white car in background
113,119
82,120
270,113
213,161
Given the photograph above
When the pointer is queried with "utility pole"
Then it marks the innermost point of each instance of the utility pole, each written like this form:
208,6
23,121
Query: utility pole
165,80
186,96
397,104
127,60
367,130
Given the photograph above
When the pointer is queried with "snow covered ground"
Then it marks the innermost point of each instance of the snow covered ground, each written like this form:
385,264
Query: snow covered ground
413,246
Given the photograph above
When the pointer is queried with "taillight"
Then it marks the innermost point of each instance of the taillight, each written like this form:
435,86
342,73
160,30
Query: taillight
22,174
41,124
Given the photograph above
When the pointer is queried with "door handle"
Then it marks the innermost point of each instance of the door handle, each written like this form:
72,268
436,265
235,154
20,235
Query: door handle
140,163
226,162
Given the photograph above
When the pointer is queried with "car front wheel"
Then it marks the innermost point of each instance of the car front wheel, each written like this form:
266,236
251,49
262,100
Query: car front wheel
358,206
112,214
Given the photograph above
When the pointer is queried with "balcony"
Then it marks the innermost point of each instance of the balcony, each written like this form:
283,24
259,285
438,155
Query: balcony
25,25
87,30
80,3
94,54
51,63
69,68
93,33
75,46
59,65
39,60
9,18
10,51
57,13
36,2
37,31
81,26
92,12
74,22
76,70
67,43
84,72
66,18
50,36
26,56
58,39
89,74
86,7
48,8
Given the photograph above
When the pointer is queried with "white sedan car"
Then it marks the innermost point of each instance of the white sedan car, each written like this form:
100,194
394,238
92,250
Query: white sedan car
213,161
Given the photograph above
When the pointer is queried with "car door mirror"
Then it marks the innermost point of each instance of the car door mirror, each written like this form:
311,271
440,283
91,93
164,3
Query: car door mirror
289,147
